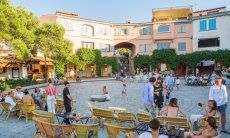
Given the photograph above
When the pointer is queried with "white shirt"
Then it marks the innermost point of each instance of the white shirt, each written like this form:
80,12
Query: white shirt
149,135
167,80
11,102
218,94
177,81
19,94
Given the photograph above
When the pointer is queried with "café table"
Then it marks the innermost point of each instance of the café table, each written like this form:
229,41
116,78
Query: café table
71,119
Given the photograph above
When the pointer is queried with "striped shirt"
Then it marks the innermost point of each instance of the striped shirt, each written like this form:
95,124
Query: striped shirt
51,90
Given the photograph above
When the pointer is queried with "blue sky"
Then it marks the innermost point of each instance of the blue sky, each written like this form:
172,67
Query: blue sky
113,10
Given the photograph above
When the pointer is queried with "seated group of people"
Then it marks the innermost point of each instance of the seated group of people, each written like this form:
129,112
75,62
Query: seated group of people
23,97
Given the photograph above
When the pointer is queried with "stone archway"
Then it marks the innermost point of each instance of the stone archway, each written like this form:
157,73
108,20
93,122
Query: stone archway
131,48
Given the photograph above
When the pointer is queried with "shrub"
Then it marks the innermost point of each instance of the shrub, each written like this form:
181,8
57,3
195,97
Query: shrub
20,82
2,85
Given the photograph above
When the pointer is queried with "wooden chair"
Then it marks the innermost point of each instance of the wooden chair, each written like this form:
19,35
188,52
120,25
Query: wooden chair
203,120
53,130
59,106
181,122
144,117
126,117
114,131
44,115
83,130
25,110
108,115
6,109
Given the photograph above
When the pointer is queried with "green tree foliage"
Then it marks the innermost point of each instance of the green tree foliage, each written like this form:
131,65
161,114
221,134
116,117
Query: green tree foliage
142,60
50,39
17,28
164,56
112,61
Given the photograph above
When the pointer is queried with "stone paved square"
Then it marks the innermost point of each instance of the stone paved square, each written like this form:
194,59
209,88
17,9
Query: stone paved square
188,97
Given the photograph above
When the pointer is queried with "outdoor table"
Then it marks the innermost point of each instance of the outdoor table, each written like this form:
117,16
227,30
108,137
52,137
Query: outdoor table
72,119
117,109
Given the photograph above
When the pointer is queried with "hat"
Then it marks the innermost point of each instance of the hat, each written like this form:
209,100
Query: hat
18,87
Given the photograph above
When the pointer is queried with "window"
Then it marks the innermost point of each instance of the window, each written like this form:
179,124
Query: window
203,26
212,24
163,29
163,45
124,31
146,31
181,28
210,42
68,26
87,45
145,48
87,30
106,47
181,46
104,31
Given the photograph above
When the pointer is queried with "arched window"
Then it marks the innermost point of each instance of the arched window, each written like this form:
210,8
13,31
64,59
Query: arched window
163,29
87,30
146,31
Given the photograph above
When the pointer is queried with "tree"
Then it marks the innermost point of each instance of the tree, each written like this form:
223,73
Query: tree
50,39
17,29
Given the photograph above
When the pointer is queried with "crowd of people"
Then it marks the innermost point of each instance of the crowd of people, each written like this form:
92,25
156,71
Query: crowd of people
153,99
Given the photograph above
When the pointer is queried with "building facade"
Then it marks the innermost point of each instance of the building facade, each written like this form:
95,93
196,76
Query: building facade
177,28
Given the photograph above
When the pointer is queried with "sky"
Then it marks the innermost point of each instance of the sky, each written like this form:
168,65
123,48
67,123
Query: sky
117,11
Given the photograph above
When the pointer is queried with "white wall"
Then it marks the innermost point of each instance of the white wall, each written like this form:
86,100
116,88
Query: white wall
222,31
75,34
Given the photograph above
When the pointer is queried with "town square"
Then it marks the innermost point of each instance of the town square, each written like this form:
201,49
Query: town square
81,69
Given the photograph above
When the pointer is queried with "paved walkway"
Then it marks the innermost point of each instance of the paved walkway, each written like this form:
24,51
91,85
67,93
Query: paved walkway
188,96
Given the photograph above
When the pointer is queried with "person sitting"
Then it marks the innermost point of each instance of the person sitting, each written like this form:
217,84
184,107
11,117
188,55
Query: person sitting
105,92
154,127
208,132
211,111
37,96
27,99
2,98
19,94
9,99
172,109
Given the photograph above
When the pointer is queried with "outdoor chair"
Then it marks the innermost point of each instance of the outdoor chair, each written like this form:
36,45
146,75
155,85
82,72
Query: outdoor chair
203,119
114,131
86,130
181,122
126,117
25,110
44,115
107,115
144,117
6,109
53,130
59,106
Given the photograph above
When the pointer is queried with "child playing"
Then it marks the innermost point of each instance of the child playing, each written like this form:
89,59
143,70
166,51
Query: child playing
167,97
105,92
124,89
177,83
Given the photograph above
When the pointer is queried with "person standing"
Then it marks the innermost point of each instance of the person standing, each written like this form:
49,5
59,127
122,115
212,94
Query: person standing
177,83
213,77
123,93
67,98
218,92
148,96
51,92
158,94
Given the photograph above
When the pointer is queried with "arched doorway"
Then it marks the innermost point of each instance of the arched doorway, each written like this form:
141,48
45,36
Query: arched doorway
125,51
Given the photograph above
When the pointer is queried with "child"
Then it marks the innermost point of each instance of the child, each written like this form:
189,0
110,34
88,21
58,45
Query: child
167,97
124,89
105,92
177,83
